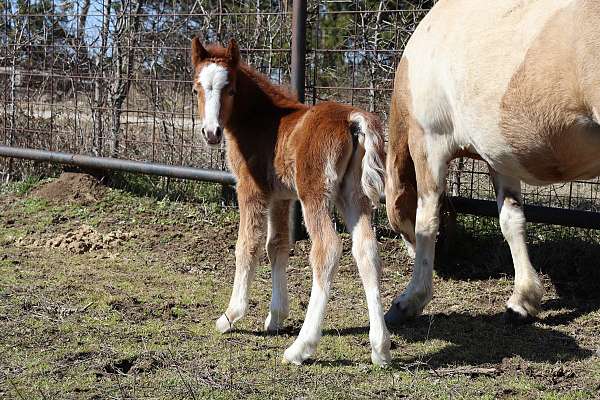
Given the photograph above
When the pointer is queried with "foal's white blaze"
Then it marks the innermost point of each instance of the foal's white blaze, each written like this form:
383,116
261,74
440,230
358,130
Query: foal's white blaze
212,78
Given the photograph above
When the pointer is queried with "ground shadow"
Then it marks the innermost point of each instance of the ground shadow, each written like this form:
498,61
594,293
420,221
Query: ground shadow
481,339
288,330
569,257
471,340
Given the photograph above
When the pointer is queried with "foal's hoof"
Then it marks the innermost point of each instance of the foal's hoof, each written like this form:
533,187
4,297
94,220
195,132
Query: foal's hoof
517,316
223,324
285,361
291,359
272,327
524,304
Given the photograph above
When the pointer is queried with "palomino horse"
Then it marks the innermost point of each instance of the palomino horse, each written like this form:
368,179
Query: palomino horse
515,83
280,150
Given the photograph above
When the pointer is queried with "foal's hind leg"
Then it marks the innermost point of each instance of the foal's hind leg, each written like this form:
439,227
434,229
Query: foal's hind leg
278,250
357,213
247,252
528,291
324,258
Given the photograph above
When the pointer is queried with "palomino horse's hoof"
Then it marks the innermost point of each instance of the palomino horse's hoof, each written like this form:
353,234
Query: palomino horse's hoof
298,353
398,314
274,322
381,359
512,317
223,324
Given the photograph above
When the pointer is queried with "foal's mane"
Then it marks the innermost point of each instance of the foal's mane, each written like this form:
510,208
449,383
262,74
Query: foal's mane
280,96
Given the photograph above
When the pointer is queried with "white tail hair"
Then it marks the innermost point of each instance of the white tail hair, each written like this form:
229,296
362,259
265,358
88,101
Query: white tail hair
370,137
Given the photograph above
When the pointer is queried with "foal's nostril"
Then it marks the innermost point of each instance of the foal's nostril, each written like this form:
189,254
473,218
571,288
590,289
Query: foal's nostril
219,132
203,131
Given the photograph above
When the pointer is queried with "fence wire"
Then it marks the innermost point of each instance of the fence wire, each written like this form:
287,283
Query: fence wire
113,77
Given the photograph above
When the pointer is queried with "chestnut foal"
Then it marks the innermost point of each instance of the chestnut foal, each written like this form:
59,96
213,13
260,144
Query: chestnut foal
281,150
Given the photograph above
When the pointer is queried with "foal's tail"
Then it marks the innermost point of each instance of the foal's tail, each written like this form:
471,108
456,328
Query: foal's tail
370,137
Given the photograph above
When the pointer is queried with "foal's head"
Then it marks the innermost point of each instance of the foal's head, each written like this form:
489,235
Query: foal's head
214,82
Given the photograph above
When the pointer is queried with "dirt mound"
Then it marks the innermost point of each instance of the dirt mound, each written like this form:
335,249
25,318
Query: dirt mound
81,240
71,187
87,239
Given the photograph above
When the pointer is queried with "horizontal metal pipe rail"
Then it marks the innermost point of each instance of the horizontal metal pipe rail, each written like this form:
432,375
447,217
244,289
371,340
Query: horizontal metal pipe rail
546,215
198,174
461,205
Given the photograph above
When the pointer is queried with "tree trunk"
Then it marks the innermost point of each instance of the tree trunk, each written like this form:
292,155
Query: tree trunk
128,25
99,86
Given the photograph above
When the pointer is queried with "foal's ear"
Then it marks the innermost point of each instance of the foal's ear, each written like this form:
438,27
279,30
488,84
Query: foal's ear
233,53
199,53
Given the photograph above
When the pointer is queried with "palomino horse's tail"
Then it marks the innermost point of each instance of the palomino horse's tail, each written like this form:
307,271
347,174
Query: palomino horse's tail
370,137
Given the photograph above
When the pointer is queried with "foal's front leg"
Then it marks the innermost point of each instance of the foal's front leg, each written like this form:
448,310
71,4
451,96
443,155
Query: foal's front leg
278,250
528,291
247,253
324,258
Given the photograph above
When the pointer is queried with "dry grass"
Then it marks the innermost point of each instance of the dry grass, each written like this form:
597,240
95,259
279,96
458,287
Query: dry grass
136,320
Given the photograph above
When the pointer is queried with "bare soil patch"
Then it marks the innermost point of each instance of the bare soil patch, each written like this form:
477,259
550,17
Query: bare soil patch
79,241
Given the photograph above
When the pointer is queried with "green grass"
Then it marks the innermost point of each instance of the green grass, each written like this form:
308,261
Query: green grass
21,187
137,320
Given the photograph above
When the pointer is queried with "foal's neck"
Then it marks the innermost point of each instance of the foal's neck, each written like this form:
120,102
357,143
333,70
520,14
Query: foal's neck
259,104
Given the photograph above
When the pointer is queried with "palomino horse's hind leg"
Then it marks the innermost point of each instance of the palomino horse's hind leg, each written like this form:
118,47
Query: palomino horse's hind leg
278,250
357,212
431,169
528,291
324,258
247,252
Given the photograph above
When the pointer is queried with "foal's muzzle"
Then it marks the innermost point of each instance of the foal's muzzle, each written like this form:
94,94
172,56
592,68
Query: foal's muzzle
213,136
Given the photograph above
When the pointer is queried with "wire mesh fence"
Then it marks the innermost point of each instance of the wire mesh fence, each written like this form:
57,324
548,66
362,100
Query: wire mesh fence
113,77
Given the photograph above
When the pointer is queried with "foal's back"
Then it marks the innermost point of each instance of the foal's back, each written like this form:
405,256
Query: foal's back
315,145
516,82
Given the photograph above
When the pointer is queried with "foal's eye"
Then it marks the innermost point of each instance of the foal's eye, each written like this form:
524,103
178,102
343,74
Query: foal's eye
231,92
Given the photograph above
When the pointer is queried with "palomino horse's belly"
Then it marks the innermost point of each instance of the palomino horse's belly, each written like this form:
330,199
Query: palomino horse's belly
524,94
560,155
538,152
